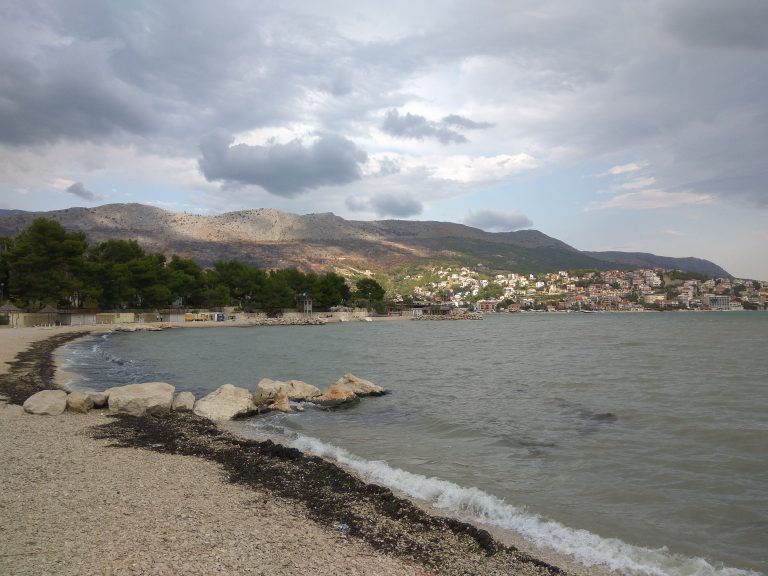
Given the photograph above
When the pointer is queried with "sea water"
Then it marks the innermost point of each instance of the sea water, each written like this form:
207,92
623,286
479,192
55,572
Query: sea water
634,441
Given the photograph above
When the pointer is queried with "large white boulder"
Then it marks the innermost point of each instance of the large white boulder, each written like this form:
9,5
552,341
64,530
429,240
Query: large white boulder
299,391
296,390
47,402
359,386
79,402
150,398
225,403
183,402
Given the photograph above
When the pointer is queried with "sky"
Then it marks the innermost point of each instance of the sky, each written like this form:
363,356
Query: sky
611,125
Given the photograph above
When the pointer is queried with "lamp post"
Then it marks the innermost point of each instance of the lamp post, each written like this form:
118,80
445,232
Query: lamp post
2,292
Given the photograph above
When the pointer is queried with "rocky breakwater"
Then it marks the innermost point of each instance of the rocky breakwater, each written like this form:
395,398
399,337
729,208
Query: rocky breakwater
148,399
455,314
287,321
141,327
347,390
227,402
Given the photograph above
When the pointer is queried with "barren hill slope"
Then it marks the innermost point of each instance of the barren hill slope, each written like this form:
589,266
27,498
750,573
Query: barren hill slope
273,239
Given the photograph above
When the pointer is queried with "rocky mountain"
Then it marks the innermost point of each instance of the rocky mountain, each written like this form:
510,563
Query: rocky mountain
273,239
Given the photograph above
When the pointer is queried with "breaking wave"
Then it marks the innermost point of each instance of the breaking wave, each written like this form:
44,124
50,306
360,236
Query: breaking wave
478,506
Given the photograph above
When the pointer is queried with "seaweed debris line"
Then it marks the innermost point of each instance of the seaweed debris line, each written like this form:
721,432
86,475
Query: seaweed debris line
332,496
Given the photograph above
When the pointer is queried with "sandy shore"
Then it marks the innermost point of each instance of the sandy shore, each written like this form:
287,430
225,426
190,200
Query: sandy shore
95,494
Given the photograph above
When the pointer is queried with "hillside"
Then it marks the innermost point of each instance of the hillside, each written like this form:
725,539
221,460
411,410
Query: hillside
273,239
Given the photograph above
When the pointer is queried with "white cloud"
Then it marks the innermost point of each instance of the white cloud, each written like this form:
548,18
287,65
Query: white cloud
480,168
639,183
651,199
625,169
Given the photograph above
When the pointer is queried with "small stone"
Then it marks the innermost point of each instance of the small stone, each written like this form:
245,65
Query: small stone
183,402
79,402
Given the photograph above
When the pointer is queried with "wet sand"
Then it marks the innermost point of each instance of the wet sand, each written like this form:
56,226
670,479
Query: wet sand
99,494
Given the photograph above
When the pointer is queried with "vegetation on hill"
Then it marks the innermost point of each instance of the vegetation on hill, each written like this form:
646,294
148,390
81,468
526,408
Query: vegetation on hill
45,264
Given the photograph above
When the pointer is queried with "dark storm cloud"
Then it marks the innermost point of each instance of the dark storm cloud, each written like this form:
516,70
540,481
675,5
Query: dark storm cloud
78,189
734,24
418,127
282,169
162,74
497,220
383,205
677,85
399,206
67,92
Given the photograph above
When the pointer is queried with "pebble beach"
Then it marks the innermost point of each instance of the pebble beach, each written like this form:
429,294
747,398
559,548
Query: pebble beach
97,494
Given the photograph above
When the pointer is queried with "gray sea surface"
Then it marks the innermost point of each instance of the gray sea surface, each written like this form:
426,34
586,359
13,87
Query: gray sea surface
635,441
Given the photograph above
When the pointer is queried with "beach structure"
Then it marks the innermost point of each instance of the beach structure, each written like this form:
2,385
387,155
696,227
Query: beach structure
12,312
51,315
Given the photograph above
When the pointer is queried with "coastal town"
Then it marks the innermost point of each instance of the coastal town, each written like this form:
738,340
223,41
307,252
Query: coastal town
614,290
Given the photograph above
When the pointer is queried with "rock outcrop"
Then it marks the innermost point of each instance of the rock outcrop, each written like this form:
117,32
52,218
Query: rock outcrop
151,398
296,390
79,402
266,391
336,396
281,403
47,403
183,402
359,386
299,391
225,403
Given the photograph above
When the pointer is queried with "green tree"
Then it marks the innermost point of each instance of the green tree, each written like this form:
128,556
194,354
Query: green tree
109,272
150,282
185,281
244,283
369,293
330,290
44,264
6,242
369,289
490,292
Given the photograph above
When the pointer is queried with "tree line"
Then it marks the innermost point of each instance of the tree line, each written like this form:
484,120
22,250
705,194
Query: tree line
45,264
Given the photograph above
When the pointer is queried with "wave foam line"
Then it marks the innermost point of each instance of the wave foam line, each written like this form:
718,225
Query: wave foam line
585,547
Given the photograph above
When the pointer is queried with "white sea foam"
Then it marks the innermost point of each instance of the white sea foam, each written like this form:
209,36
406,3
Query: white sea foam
585,547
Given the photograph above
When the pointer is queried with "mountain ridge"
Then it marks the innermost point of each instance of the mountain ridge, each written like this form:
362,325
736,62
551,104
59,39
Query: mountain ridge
271,238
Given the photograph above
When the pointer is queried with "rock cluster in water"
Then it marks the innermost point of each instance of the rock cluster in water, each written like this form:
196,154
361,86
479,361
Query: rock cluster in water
225,403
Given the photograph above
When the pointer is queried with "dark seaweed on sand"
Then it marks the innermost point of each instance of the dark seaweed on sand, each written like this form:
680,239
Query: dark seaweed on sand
34,369
330,494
